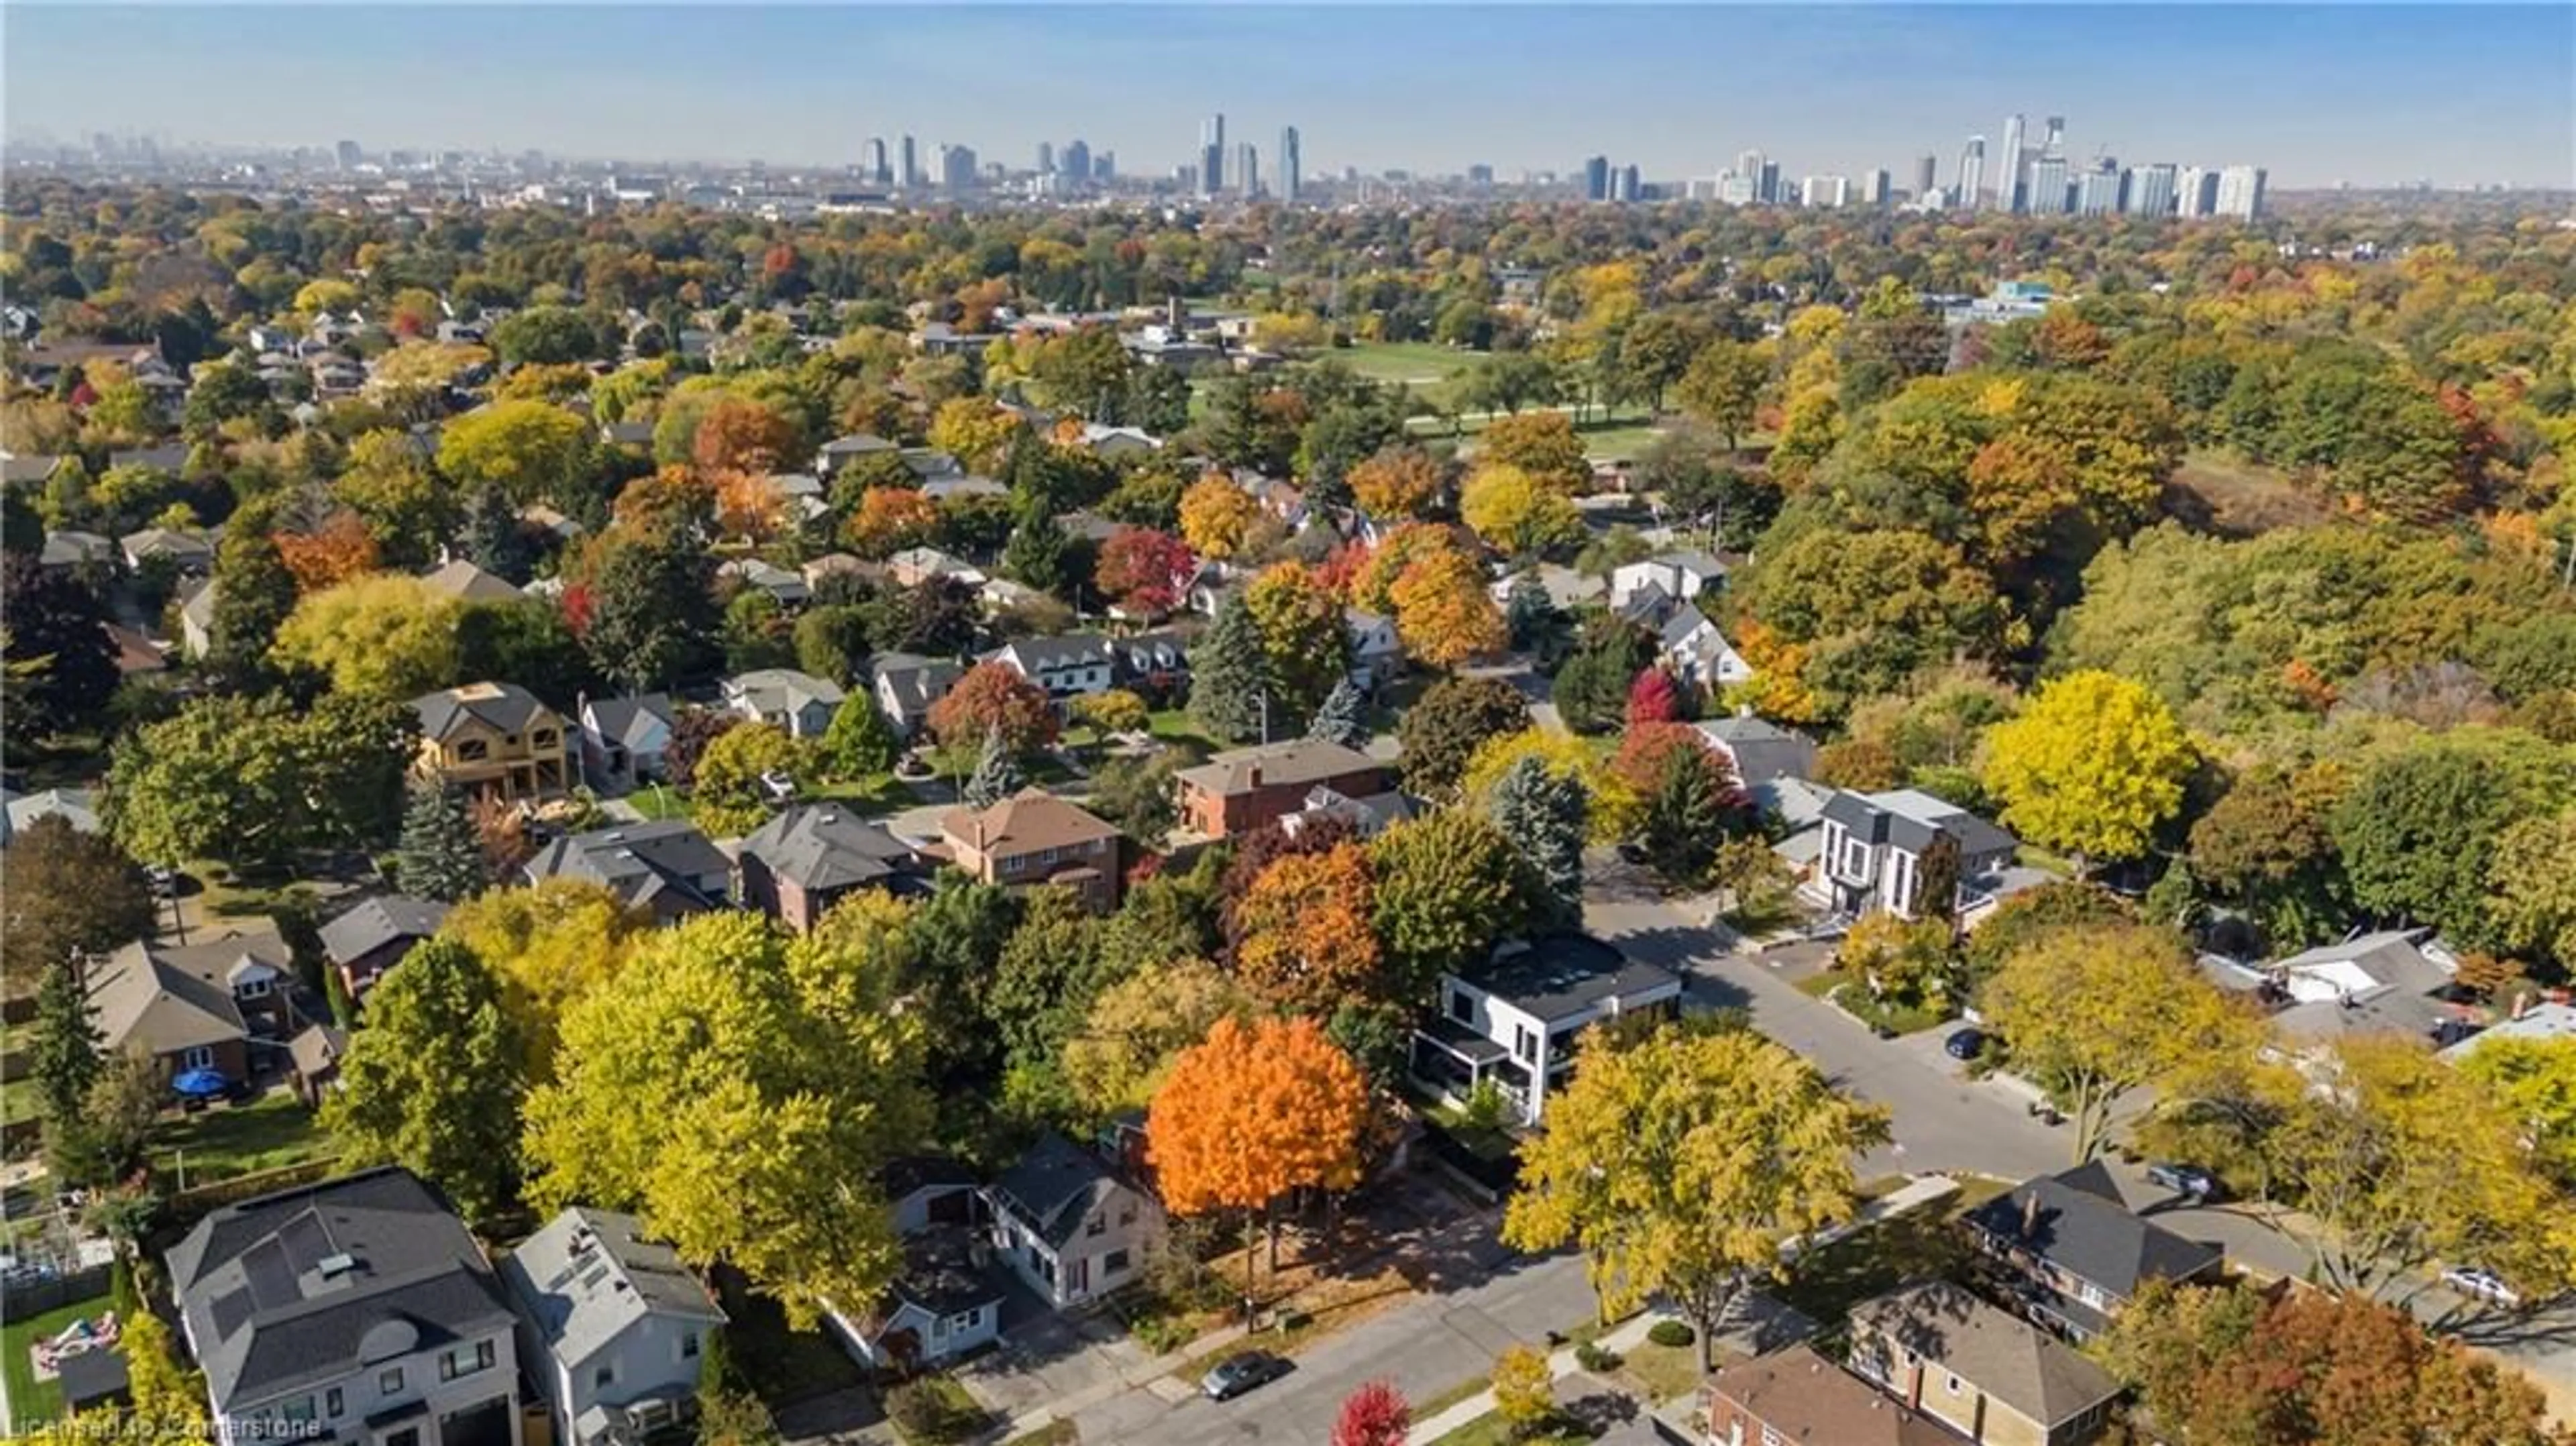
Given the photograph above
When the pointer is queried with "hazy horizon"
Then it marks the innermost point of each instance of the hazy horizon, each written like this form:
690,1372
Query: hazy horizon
2367,95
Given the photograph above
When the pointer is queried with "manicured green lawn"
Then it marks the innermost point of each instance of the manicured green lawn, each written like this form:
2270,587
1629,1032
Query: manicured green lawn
1491,1430
1422,365
269,1133
33,1402
1175,725
877,794
659,802
18,1100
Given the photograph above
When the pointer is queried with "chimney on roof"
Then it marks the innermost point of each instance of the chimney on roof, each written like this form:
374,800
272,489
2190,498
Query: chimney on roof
1256,775
2030,1213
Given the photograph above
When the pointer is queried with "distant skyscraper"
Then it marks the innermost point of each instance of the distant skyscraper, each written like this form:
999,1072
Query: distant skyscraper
1927,175
1046,158
1104,167
1748,164
1287,167
1972,172
1246,175
1877,188
2048,186
1736,189
1480,175
2151,190
2098,192
873,161
2196,192
1826,191
2055,143
349,155
957,168
1596,179
2008,166
1212,154
1627,185
2240,192
911,163
1074,162
1766,184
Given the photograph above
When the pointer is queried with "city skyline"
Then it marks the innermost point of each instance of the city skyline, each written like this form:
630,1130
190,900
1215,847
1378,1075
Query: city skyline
2383,96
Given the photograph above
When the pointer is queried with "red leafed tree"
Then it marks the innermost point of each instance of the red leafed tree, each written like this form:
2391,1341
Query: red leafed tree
1652,748
1145,569
339,550
1374,1415
991,696
1654,699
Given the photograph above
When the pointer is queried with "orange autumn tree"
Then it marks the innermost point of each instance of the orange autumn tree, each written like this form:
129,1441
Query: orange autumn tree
740,435
1397,483
1443,612
1215,514
339,550
749,505
888,520
1302,932
1251,1113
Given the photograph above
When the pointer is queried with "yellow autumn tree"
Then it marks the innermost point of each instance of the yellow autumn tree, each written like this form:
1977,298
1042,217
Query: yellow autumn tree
1443,613
1215,514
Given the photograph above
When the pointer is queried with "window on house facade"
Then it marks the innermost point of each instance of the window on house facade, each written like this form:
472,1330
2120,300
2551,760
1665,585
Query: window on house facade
389,1382
1461,1008
464,1362
1097,1225
604,1377
542,738
197,1056
473,750
253,988
1126,1212
299,1409
1773,1438
1525,1044
333,1403
2091,1295
688,1345
1855,858
1114,1263
1950,1383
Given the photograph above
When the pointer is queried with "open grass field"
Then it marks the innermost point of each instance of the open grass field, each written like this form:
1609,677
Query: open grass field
2242,498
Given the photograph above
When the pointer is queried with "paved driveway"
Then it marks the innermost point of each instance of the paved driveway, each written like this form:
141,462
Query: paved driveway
1047,1356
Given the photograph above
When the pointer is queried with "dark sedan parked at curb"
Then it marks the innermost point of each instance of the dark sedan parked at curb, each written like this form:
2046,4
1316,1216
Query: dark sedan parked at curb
1238,1374
1965,1044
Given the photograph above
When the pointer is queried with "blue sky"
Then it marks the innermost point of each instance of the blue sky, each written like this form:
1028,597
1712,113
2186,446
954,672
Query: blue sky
2370,94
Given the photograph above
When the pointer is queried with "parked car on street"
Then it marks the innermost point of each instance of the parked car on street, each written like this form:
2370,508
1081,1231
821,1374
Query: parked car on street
1964,1043
1238,1374
2189,1180
2481,1284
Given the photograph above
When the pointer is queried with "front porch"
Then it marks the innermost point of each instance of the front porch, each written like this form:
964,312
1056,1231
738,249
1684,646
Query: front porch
1452,1062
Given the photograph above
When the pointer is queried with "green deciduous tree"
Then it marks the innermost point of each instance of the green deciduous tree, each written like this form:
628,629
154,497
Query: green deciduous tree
860,741
2533,877
56,623
1447,885
802,1075
529,451
250,783
2421,825
651,615
65,893
1681,1164
1449,722
436,1080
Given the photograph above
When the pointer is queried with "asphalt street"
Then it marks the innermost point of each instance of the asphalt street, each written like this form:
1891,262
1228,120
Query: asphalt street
1942,1120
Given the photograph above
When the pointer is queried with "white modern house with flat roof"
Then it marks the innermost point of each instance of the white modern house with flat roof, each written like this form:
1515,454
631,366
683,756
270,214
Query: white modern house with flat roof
1873,848
1516,1020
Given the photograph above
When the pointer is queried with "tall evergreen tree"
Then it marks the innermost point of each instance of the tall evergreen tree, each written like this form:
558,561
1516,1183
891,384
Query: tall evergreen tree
1545,815
860,741
57,624
1035,555
1342,717
1226,672
441,857
493,539
66,1060
997,774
